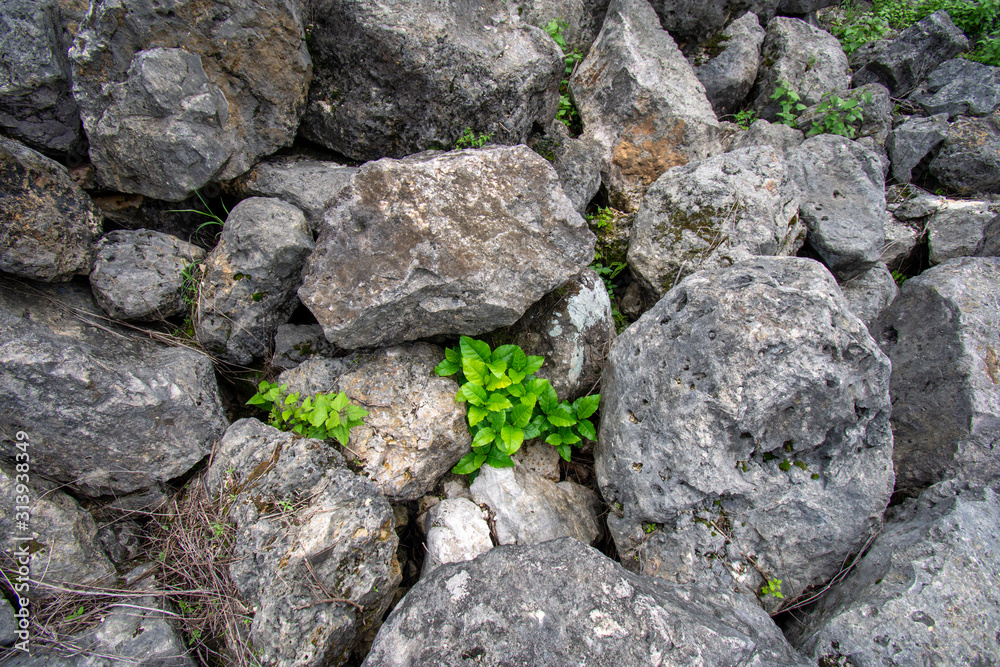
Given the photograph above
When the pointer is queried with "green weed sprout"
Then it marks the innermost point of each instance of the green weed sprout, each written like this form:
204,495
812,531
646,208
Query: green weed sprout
322,416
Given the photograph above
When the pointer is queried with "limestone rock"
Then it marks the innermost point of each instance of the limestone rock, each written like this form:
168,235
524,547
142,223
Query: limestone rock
690,22
960,87
307,529
912,141
990,247
295,343
443,243
958,228
577,162
941,334
746,413
729,75
248,283
869,293
969,161
712,213
48,225
762,133
143,275
456,531
582,18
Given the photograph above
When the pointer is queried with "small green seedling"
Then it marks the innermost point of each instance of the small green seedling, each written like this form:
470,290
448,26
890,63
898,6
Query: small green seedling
773,588
322,416
790,102
468,139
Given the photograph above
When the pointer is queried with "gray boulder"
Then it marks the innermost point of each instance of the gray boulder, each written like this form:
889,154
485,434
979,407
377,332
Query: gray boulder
941,334
969,161
176,95
961,87
762,133
563,603
319,374
745,422
48,225
295,343
144,275
392,83
315,545
527,508
869,293
692,22
728,75
990,247
806,58
902,63
582,18
901,240
122,540
107,412
59,537
924,594
577,162
311,185
444,243
912,141
456,531
248,282
8,623
641,103
36,105
841,201
802,7
958,228
712,213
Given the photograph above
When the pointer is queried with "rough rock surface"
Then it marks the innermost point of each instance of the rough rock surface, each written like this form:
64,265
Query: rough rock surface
456,531
48,225
175,95
869,293
931,576
912,141
941,334
763,133
309,184
990,247
809,59
106,412
295,343
458,242
8,623
841,200
307,530
690,22
577,162
712,213
969,161
563,603
415,432
36,105
63,547
572,328
248,282
958,228
528,508
749,397
729,75
641,102
395,79
140,275
582,18
961,87
318,375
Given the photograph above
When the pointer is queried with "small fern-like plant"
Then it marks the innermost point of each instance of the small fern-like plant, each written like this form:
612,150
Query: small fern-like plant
773,588
322,416
508,405
839,116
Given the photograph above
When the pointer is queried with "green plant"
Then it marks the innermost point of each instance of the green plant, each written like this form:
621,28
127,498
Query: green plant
648,528
321,416
77,613
507,404
839,116
567,113
468,139
899,277
745,118
773,588
213,219
790,103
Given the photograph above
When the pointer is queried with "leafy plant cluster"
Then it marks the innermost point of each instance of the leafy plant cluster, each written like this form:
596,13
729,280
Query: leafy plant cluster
507,404
469,139
604,221
772,587
790,102
567,113
745,118
837,115
321,417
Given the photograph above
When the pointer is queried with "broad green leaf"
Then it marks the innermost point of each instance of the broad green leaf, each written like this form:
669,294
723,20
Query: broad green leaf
497,367
474,349
547,399
339,402
534,363
446,368
505,353
520,415
498,459
292,399
568,437
560,417
475,370
494,382
516,389
341,433
529,400
300,429
257,399
473,393
534,427
536,386
498,419
333,421
586,429
476,414
453,355
516,376
263,386
497,402
519,360
285,414
586,406
471,461
484,436
355,412
554,439
565,451
511,438
319,415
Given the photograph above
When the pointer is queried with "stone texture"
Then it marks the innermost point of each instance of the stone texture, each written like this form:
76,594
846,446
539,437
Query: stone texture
747,414
528,508
140,275
577,162
841,201
690,22
175,95
902,63
456,531
48,225
60,536
583,18
762,133
729,75
122,540
641,103
961,87
869,293
459,242
810,60
295,343
912,141
931,575
307,529
563,603
394,79
248,282
107,412
941,334
712,213
8,623
990,247
958,228
969,161
540,458
36,104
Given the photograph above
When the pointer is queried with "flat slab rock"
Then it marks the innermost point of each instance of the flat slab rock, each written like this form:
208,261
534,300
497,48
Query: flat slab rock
442,243
563,603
